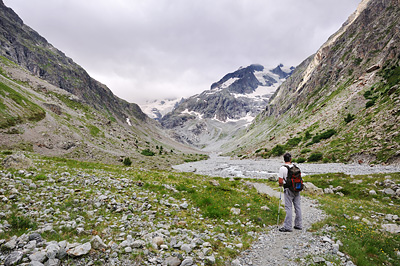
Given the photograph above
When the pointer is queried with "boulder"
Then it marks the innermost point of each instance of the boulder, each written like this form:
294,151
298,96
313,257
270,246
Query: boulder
172,261
80,250
187,262
391,228
312,189
13,259
97,243
39,256
17,161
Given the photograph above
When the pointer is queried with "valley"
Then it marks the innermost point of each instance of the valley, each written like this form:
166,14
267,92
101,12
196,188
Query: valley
87,178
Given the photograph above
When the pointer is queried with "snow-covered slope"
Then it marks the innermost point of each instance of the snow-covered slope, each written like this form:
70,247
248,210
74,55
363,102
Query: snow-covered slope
230,104
158,108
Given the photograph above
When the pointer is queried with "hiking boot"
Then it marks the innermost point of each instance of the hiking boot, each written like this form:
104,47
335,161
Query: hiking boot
283,229
298,228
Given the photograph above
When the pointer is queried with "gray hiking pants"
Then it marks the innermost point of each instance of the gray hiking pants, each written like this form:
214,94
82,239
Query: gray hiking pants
292,198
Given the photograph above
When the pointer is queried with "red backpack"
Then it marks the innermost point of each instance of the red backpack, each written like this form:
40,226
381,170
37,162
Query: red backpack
294,181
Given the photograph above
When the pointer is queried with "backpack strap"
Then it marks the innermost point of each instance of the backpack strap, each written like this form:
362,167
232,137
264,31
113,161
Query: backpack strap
287,185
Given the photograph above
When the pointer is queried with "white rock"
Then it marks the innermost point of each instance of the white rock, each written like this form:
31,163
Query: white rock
210,260
366,221
187,262
80,250
335,248
388,191
97,243
184,206
39,256
372,192
312,189
265,208
236,263
13,258
187,248
391,228
235,211
326,239
138,244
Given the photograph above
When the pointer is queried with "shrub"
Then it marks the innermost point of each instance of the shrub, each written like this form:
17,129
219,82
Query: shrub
324,135
293,142
148,152
370,103
278,150
349,118
307,135
315,157
127,161
305,151
301,160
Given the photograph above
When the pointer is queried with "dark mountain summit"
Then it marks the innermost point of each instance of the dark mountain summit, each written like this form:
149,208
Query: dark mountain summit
235,100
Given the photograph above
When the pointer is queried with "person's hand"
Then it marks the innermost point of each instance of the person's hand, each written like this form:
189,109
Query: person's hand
280,182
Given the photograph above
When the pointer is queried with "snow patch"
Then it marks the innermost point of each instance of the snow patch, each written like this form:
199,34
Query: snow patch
158,107
128,121
198,115
228,83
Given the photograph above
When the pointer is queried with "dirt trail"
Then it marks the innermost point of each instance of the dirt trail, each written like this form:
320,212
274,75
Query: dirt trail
277,248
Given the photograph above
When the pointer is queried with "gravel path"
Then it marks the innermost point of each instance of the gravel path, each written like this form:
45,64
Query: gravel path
274,247
277,248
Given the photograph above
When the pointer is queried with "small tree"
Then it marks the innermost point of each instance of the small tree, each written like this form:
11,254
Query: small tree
127,161
349,118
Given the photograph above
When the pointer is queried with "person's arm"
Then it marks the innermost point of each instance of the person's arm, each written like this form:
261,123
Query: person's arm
282,174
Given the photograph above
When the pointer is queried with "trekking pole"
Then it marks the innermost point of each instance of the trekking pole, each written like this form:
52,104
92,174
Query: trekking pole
279,206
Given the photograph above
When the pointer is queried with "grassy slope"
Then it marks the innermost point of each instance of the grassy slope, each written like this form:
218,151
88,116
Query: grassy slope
371,130
356,217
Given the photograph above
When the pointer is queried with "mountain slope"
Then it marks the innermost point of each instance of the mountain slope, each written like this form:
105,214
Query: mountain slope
27,48
51,106
343,102
230,104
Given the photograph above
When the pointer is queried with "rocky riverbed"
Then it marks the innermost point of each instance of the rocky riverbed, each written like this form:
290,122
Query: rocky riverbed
265,168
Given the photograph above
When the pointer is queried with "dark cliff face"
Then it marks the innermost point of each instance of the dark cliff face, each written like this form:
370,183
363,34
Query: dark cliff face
247,82
27,48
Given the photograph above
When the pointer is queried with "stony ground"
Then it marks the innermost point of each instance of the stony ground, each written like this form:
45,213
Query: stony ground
292,248
297,247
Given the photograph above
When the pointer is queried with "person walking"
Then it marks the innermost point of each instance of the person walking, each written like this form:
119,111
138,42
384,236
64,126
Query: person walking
292,198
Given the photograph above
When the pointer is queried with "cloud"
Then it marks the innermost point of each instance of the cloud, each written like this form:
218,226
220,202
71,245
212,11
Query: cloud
152,49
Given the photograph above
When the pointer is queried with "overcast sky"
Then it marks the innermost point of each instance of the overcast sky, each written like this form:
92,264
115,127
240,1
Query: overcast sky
157,49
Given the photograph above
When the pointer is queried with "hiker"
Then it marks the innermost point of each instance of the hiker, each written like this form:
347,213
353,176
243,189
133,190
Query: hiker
291,196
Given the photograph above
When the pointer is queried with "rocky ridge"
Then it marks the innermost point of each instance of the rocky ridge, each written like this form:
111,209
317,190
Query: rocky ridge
24,46
350,85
